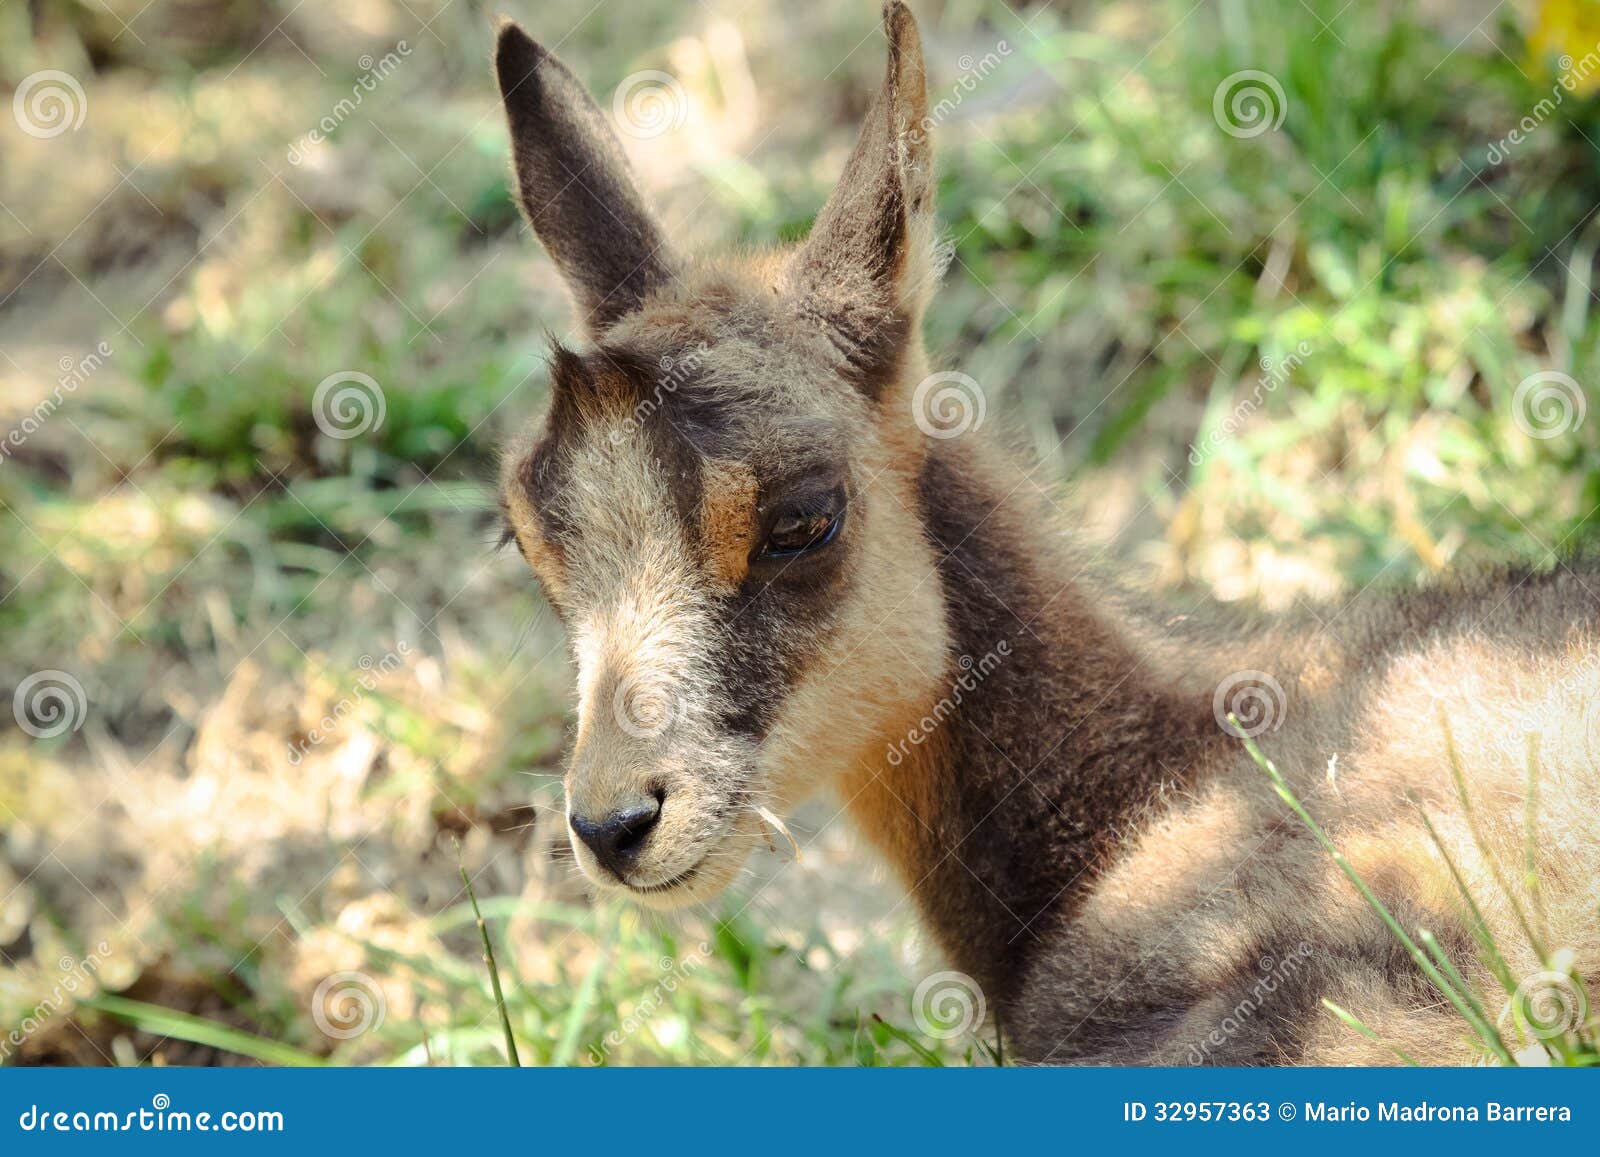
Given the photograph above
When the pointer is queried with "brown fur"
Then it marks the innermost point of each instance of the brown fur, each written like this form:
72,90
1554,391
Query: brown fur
1042,759
725,524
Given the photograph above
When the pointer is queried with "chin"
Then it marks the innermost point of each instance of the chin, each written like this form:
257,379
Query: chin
704,880
703,887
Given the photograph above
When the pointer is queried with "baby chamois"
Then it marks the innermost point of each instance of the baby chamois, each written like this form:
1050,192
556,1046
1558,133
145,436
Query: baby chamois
776,581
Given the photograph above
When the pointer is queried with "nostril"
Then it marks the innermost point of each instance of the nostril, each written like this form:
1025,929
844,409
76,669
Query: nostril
634,824
617,839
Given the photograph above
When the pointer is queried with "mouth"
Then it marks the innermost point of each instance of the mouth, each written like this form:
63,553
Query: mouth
668,884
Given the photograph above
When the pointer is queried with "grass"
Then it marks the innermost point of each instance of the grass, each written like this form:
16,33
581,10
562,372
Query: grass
637,997
512,1058
220,574
1566,1038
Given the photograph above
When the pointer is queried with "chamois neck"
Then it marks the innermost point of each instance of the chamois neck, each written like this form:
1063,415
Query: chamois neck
1051,733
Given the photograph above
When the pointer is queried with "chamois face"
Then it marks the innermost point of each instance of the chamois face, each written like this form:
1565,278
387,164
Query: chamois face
719,503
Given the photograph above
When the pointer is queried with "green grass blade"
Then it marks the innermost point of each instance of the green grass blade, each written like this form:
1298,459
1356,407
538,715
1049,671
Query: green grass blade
494,973
1436,950
929,1057
1530,839
1480,924
1488,1033
153,1018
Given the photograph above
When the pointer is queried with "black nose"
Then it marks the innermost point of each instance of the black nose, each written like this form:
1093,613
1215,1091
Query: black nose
616,839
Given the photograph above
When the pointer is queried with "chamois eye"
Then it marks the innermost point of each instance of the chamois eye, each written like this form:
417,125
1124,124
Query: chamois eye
798,531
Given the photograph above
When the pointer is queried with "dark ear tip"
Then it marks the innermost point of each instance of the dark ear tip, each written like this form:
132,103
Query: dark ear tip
516,55
511,37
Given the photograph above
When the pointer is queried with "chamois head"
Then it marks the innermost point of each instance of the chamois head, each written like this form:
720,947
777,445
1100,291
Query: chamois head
720,503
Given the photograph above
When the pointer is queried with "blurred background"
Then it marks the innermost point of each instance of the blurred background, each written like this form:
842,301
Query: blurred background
1286,297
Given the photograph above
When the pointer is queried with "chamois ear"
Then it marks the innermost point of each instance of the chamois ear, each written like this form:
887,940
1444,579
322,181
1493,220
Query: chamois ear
871,254
575,186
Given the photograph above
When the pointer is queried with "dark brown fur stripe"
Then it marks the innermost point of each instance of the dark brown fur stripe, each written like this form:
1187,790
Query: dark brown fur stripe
1045,776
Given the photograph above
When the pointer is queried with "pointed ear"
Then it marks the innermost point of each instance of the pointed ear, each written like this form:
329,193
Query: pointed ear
875,235
575,186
